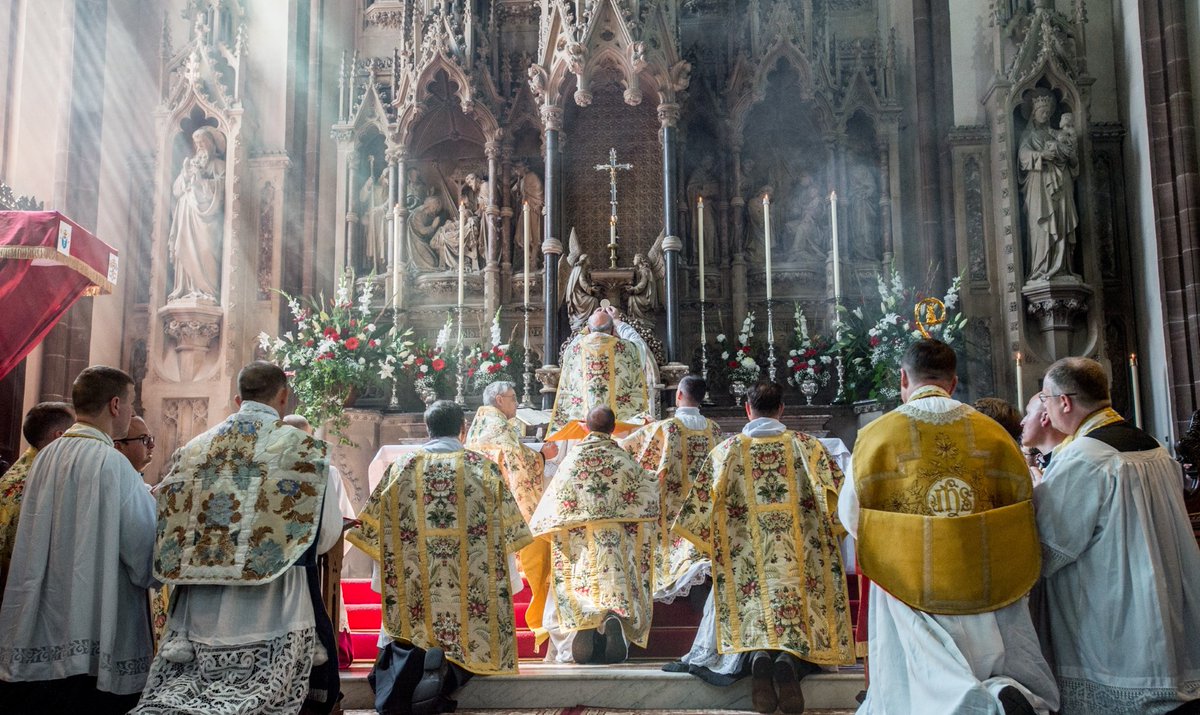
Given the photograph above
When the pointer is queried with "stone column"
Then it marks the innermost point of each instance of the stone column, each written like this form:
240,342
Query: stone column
668,117
506,223
885,201
345,185
551,245
737,263
351,216
399,228
392,157
491,270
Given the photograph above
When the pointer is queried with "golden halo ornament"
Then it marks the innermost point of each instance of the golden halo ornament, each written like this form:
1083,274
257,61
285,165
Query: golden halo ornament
928,313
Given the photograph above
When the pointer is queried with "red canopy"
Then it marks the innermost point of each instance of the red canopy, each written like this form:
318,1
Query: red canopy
47,262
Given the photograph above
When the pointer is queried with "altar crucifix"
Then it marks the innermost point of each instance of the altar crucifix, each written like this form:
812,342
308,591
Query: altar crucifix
611,167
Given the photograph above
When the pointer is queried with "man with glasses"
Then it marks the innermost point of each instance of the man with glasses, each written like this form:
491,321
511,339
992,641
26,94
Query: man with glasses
1120,565
138,448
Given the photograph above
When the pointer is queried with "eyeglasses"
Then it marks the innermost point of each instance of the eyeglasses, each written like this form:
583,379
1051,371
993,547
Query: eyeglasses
147,440
1043,396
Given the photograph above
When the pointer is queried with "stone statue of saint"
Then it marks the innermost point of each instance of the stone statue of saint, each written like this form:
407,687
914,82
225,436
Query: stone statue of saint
528,189
445,243
423,225
755,233
373,198
863,222
198,223
1049,162
809,225
416,189
704,183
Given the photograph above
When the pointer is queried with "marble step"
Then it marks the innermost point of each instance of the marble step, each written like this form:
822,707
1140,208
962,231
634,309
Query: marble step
635,685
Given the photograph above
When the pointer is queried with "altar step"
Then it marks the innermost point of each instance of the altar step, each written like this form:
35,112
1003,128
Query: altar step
634,685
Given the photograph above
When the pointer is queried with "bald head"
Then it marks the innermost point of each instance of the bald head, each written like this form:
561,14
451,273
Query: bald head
601,419
300,422
600,322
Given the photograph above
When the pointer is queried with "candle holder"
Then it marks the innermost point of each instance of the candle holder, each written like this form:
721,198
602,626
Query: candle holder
526,400
460,367
612,254
771,339
708,400
840,396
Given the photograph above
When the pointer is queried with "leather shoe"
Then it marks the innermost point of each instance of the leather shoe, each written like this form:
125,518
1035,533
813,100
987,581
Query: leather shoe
427,696
583,648
1014,702
616,650
762,687
787,684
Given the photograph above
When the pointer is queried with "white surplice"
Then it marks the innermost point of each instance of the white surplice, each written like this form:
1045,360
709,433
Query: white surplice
75,603
1121,579
926,664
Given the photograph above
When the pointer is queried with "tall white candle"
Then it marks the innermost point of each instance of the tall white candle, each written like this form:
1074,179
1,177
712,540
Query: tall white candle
837,273
1136,389
1020,386
767,238
700,223
528,268
462,243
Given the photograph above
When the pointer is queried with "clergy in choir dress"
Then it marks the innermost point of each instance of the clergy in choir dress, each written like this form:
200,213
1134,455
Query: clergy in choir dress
1120,565
241,519
763,509
441,526
608,366
600,513
940,503
74,627
674,450
44,423
494,434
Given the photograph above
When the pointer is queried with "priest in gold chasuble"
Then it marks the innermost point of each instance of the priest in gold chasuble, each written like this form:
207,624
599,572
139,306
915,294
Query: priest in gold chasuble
242,517
493,434
600,513
764,509
603,369
941,506
441,525
674,450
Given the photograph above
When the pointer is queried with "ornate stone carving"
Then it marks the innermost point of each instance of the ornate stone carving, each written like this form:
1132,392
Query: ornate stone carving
1057,305
183,418
1049,162
977,264
266,241
197,230
192,326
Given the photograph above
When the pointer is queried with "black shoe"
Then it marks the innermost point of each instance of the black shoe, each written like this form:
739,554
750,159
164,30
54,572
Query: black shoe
427,696
675,666
762,687
616,649
787,684
1013,702
583,648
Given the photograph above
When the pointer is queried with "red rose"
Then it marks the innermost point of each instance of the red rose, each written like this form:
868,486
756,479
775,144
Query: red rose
733,363
419,361
331,333
438,364
308,343
471,372
745,349
810,352
804,366
352,343
874,340
353,322
372,343
493,369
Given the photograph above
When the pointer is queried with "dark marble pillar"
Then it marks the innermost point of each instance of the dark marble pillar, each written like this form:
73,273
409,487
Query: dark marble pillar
668,117
551,243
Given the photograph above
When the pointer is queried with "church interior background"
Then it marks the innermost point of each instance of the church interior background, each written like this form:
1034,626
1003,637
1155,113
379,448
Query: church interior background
294,142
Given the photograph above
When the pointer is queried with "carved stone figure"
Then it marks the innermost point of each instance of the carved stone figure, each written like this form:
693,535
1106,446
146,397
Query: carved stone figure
373,197
704,183
648,270
809,225
528,188
580,294
198,223
445,243
416,189
863,215
423,225
755,224
1049,163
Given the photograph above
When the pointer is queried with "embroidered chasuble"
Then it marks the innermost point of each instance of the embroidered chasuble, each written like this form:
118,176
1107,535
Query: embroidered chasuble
523,470
600,370
441,526
940,492
243,503
764,510
12,488
600,512
674,454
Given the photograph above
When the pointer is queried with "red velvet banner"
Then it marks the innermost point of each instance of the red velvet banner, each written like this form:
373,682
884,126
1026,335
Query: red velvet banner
47,262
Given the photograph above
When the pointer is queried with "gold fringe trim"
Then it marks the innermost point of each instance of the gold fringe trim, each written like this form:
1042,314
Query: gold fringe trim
100,284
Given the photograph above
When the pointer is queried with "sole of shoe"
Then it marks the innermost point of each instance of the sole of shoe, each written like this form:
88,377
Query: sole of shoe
762,684
787,685
1014,702
583,648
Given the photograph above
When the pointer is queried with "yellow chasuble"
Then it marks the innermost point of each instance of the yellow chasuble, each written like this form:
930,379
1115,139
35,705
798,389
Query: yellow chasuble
12,489
523,469
764,509
441,526
601,370
600,513
674,454
947,523
243,503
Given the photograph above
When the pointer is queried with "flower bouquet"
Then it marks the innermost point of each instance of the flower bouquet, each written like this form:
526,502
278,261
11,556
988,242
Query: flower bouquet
741,369
431,367
487,365
809,360
337,347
